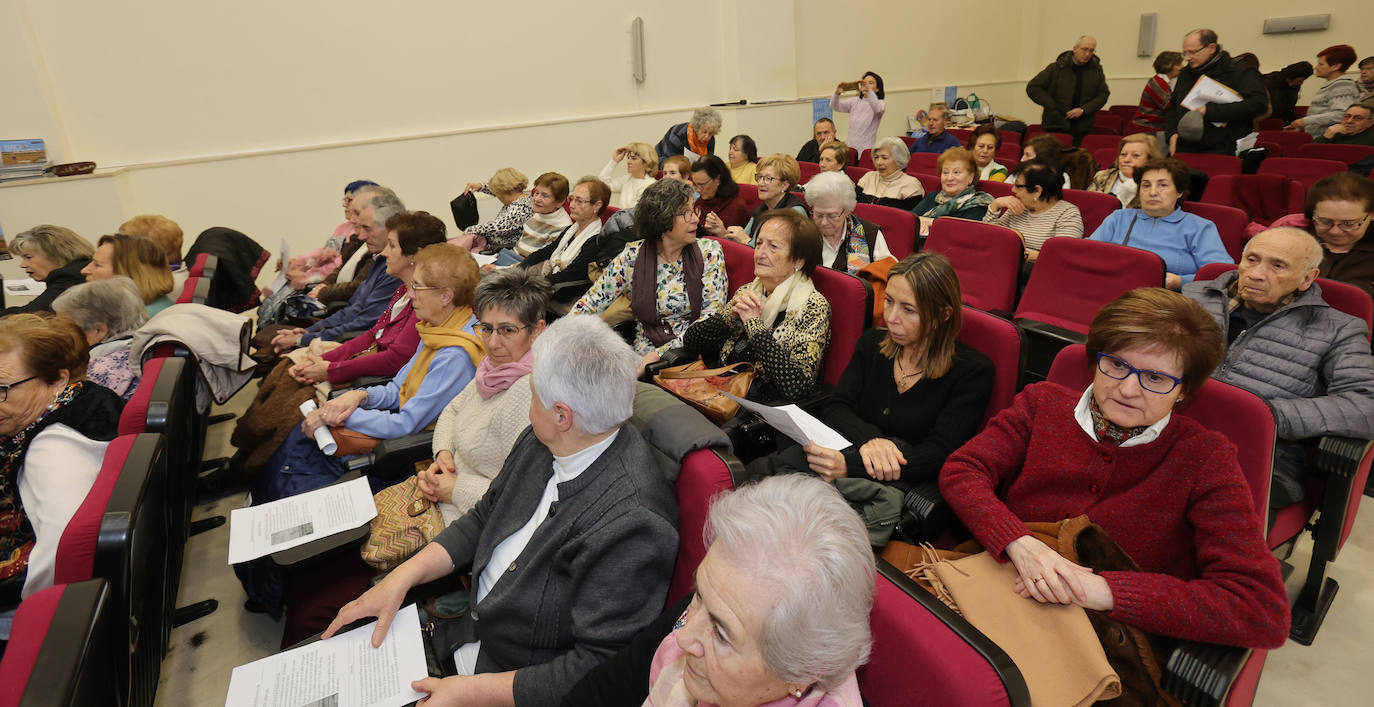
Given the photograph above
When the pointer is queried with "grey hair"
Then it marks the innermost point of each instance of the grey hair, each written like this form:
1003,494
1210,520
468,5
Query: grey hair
658,207
114,302
518,291
581,362
365,196
384,207
895,147
58,243
705,119
1312,248
831,186
796,533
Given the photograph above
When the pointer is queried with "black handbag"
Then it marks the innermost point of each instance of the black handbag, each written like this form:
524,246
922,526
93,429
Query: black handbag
464,207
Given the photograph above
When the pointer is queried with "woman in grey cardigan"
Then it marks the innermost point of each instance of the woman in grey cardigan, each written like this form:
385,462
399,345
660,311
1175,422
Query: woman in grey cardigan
571,549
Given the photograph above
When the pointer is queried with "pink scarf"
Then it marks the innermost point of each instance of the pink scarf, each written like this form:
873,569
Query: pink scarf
492,379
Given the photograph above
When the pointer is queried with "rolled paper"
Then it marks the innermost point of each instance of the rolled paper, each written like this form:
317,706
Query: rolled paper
322,434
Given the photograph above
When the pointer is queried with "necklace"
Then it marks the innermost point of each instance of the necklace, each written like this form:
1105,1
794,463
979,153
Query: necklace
901,371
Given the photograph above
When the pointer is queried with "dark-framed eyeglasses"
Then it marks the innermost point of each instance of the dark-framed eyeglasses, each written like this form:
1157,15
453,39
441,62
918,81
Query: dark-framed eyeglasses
1347,225
5,388
505,331
1156,382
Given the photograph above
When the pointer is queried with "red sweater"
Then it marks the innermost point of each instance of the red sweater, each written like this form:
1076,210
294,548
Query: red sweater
1154,100
396,341
1178,506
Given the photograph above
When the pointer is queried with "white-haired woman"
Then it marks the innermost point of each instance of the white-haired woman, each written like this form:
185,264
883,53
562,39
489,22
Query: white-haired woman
54,256
848,243
640,164
693,139
887,184
108,312
787,563
557,602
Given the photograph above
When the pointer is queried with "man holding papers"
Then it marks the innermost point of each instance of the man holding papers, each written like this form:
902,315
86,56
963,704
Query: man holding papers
1230,99
572,547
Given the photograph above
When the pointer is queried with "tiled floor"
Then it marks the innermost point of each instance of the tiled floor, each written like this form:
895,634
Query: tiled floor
1336,670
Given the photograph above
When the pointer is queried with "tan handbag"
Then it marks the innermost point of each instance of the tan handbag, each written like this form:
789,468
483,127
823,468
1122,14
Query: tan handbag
701,387
351,442
405,522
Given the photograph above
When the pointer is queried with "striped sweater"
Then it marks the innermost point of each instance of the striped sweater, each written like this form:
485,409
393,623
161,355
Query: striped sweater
1153,102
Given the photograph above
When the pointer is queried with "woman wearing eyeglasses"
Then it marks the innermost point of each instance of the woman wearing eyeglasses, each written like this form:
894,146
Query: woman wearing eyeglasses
1339,209
776,176
564,261
1169,492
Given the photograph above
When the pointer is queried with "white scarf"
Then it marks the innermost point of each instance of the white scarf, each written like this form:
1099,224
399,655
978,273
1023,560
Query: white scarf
790,294
569,247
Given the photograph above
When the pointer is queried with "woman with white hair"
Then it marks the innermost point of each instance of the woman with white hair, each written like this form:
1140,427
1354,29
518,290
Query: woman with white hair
848,243
572,547
887,184
693,139
108,312
787,563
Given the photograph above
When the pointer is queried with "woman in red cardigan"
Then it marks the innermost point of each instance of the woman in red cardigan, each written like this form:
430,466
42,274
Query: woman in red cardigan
1169,492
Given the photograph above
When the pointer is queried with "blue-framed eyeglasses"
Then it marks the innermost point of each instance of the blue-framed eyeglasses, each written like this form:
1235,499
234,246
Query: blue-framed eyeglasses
1154,381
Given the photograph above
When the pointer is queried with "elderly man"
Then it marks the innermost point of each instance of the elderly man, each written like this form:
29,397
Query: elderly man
1071,90
822,132
571,548
1309,362
1354,126
934,138
1217,126
373,293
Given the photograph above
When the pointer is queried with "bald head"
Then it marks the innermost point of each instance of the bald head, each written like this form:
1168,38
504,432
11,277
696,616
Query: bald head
1084,49
1277,263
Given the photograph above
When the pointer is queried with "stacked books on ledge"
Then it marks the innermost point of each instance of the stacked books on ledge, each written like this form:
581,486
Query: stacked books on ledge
22,159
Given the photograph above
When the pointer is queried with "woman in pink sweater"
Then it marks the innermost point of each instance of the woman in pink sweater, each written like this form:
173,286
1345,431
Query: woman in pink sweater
1168,491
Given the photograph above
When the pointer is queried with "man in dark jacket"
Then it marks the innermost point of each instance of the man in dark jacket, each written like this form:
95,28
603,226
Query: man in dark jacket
822,132
1071,90
1224,123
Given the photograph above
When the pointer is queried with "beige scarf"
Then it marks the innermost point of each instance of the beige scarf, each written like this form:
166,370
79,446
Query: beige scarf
790,295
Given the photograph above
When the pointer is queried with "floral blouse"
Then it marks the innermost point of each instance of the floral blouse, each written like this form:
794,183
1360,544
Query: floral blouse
110,368
673,304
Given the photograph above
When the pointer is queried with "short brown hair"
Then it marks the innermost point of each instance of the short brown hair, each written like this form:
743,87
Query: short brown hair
1046,147
556,183
984,129
804,240
958,154
47,345
1167,61
1153,317
415,230
784,165
936,287
450,266
159,229
1341,186
1342,55
598,191
684,165
1178,173
142,261
842,153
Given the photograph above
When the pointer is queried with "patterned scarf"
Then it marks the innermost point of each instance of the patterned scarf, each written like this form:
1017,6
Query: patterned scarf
966,199
1108,431
855,252
1234,301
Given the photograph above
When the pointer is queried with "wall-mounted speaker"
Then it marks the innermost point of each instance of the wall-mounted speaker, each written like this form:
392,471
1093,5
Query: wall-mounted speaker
1305,23
1146,44
637,48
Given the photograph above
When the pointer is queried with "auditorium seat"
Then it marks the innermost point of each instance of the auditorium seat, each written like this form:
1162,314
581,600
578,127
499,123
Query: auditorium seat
1126,111
898,225
961,134
739,263
856,173
1264,197
705,474
923,162
750,194
865,160
1304,169
1093,143
1288,140
929,182
987,258
807,171
1347,154
851,313
908,140
62,650
1008,155
1230,223
1105,157
1010,137
1213,165
1093,206
1270,124
1108,122
999,340
995,188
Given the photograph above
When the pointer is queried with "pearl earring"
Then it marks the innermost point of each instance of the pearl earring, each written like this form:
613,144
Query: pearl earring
797,693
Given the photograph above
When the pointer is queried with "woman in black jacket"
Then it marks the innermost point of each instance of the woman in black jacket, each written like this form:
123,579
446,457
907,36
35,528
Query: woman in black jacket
564,261
54,256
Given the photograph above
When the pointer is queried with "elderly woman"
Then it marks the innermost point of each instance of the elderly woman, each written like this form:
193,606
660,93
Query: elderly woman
865,111
1167,491
1326,108
1046,147
138,259
1185,241
848,243
984,143
910,396
1119,180
54,256
693,139
786,561
564,261
108,312
167,235
508,186
640,164
1339,209
1157,94
887,184
54,427
834,156
719,204
742,158
958,196
309,372
477,430
778,322
547,195
679,168
777,176
671,278
1036,209
557,602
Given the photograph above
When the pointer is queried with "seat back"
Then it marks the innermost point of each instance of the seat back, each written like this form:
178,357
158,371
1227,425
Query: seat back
960,134
930,183
1288,140
119,533
1104,156
1074,277
1304,169
856,173
1264,197
907,140
204,266
61,651
750,194
1064,138
1106,120
807,171
995,188
1010,137
188,290
1093,206
1009,154
999,340
865,159
1230,223
923,162
851,313
739,263
899,227
959,665
1213,165
1347,154
987,258
705,473
1093,143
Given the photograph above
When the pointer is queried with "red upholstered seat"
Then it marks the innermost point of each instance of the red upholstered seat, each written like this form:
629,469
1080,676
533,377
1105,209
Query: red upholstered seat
962,134
705,473
908,140
1304,169
856,173
607,213
1109,121
739,263
30,627
1093,143
1213,165
987,259
750,194
995,188
999,340
865,160
1288,140
929,182
1230,223
1010,137
1074,277
924,163
899,227
1093,206
808,170
1009,154
1104,156
1264,197
61,651
851,312
1340,153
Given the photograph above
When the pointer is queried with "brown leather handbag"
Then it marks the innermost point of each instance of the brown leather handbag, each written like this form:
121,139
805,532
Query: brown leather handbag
701,387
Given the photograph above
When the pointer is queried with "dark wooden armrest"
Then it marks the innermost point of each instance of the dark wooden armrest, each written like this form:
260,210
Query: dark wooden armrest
1200,674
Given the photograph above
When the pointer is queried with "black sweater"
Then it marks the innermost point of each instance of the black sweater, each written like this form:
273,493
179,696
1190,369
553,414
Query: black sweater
624,678
57,281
